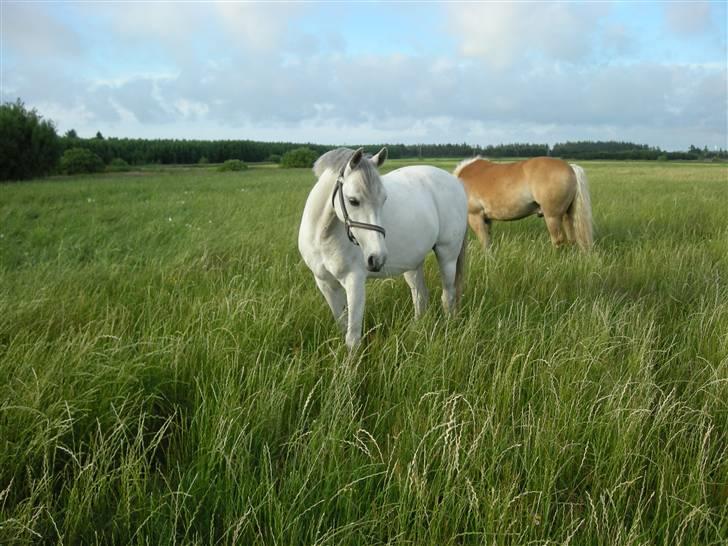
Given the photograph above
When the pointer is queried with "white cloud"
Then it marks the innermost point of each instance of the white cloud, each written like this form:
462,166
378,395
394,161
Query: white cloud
30,31
415,99
191,109
505,34
65,118
525,72
688,18
148,20
261,27
617,40
182,28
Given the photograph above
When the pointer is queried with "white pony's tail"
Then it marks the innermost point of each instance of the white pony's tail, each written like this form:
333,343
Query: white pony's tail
579,215
460,271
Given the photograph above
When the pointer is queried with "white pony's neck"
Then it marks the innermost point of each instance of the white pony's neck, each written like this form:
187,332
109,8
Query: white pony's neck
322,210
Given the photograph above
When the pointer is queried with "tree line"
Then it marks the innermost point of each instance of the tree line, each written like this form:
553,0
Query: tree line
173,151
30,147
630,151
137,151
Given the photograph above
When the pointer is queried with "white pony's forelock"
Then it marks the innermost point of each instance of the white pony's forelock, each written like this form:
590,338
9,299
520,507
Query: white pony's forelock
333,160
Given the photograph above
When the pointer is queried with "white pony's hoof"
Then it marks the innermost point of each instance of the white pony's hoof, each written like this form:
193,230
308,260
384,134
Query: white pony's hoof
353,341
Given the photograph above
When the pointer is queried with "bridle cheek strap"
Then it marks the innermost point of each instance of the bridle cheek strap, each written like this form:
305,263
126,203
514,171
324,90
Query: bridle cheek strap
348,222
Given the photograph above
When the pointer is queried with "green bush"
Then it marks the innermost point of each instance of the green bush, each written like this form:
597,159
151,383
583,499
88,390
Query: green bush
29,145
274,158
118,165
300,157
203,161
80,161
232,165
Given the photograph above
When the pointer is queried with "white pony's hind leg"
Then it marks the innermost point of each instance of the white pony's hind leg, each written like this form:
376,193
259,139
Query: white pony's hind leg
420,296
447,257
336,298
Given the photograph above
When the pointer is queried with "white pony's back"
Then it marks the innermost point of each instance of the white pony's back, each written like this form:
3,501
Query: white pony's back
426,207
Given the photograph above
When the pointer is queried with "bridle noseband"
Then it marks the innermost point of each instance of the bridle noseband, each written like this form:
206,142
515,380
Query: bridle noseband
347,219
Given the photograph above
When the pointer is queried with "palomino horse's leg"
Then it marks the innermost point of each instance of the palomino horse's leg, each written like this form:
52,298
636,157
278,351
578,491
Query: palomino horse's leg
553,223
481,227
416,281
355,296
567,222
447,260
336,298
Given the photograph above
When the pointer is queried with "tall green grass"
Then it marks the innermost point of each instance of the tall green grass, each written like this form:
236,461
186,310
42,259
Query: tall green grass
169,373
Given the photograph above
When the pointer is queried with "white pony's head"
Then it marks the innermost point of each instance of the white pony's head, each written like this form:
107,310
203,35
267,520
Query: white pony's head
364,196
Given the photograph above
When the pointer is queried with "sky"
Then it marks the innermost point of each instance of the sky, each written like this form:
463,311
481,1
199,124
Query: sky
373,72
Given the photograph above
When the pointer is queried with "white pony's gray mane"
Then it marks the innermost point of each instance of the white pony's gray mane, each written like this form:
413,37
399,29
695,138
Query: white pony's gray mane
335,160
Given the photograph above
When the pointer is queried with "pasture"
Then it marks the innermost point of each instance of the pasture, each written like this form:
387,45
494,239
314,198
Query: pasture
170,374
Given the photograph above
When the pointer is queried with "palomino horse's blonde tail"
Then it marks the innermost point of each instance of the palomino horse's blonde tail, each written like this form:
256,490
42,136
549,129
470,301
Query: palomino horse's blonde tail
580,212
460,271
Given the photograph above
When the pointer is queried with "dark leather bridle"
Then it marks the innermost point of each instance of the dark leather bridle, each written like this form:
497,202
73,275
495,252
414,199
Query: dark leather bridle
347,219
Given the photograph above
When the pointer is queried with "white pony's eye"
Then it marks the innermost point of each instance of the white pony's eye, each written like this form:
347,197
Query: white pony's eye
354,202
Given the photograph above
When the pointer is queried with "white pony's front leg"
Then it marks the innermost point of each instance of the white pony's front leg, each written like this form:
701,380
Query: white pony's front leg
355,296
336,298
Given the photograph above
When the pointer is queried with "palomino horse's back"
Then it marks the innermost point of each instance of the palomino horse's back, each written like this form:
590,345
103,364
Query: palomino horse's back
545,186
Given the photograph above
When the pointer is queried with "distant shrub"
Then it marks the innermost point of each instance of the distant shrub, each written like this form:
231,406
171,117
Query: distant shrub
203,161
232,165
118,165
29,145
662,157
274,158
80,161
300,157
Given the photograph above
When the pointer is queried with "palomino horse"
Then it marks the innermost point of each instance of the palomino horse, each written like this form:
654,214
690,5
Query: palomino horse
348,213
545,186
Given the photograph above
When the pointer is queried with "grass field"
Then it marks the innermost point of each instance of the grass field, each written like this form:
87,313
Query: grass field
169,373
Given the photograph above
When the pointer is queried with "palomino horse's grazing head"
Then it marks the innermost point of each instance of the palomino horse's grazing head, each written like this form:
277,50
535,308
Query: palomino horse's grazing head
361,196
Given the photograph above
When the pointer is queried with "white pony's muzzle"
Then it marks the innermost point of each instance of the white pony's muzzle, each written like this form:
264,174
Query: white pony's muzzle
375,262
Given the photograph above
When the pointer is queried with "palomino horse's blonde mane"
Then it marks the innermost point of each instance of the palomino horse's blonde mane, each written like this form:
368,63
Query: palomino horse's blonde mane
465,162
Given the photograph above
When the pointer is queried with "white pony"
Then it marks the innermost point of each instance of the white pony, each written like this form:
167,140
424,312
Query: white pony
350,210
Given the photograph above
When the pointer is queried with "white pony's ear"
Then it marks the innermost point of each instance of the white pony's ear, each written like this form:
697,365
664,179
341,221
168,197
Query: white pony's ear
354,161
381,156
